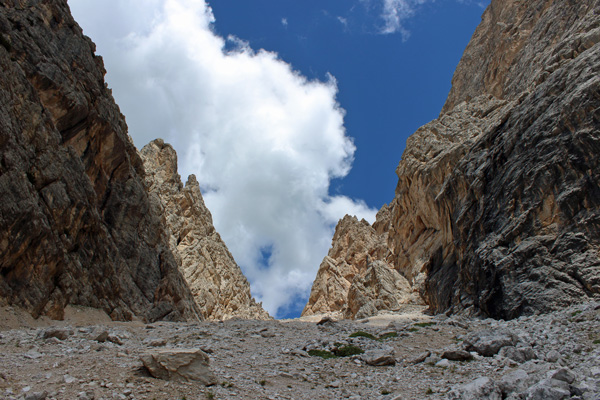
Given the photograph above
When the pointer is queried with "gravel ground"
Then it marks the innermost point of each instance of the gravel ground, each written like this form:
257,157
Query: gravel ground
87,356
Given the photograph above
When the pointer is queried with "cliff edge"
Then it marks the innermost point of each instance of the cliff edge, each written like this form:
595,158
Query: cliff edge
497,207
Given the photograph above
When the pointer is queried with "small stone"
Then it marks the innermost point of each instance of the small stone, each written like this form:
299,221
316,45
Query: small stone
102,337
335,384
379,357
420,358
553,356
562,374
489,342
36,396
33,355
518,354
154,342
59,333
443,363
457,355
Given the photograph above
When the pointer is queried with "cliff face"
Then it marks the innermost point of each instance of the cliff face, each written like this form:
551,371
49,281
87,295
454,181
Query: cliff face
76,224
217,283
497,208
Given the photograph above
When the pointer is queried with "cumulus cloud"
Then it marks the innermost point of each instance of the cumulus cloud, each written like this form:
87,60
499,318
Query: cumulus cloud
263,140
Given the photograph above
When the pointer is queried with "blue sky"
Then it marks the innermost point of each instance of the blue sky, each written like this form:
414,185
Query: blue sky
290,113
389,84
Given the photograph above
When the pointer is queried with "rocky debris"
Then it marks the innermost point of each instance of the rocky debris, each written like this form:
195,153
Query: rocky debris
354,280
481,388
250,366
379,358
180,365
489,342
495,211
217,282
76,223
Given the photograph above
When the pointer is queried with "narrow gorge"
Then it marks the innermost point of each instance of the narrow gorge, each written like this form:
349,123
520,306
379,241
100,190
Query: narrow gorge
497,208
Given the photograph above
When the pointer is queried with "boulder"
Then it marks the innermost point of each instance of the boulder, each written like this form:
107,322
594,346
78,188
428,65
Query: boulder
180,365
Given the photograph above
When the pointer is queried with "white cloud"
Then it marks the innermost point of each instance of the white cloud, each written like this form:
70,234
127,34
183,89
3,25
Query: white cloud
395,13
284,22
263,141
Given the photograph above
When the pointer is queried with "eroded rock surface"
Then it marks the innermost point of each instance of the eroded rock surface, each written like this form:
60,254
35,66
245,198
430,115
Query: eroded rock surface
76,224
354,279
497,208
217,282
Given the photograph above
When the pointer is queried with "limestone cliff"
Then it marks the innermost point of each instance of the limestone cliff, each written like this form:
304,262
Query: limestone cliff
217,283
497,208
356,279
76,223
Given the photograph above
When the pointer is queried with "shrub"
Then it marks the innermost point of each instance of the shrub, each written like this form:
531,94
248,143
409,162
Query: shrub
388,335
424,324
321,353
363,334
347,351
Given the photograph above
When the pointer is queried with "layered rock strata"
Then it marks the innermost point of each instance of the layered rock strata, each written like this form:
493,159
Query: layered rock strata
354,279
76,223
217,282
497,208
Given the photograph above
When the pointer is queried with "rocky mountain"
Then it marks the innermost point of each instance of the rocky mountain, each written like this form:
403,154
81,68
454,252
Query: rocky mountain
217,282
353,280
77,223
497,208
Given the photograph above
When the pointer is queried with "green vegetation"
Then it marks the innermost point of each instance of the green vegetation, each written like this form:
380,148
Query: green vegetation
321,353
574,313
209,395
424,324
347,351
388,335
262,382
363,334
413,329
597,341
429,391
385,392
367,335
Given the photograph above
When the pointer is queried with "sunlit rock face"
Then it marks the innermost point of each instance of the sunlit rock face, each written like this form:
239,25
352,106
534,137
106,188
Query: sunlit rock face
355,280
217,283
76,224
497,208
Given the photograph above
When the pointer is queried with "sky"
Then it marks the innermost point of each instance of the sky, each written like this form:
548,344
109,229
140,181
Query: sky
290,113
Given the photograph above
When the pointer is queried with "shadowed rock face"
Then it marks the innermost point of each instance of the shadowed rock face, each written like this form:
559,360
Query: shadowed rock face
76,224
217,283
497,208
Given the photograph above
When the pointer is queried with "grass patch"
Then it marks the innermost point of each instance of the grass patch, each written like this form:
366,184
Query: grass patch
424,324
385,392
363,334
347,351
262,382
324,354
429,391
388,335
574,313
597,341
413,329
